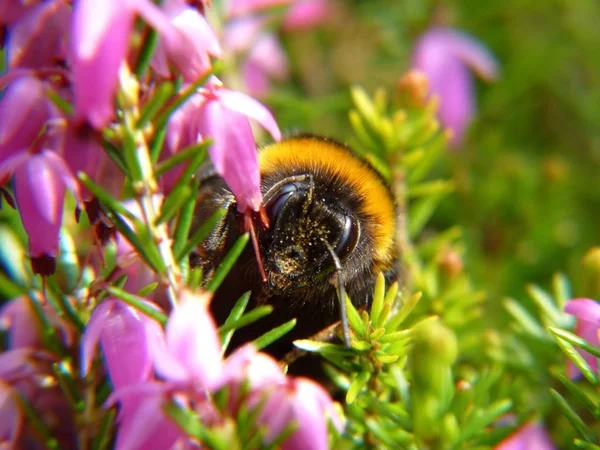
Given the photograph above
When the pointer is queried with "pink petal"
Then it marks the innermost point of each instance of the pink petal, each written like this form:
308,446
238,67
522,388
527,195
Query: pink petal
193,341
251,108
306,14
186,38
255,79
37,39
532,435
472,53
584,309
233,152
144,425
269,54
40,195
22,323
240,35
101,32
23,112
124,333
11,416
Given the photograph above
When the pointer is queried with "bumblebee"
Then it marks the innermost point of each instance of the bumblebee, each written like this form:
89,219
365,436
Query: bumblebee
332,225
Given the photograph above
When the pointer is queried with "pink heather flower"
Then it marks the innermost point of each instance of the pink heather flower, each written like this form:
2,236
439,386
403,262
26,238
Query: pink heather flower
302,402
306,14
18,317
101,32
125,335
530,436
24,110
587,312
11,416
247,369
186,42
190,349
37,39
445,56
41,180
222,115
237,8
143,424
266,61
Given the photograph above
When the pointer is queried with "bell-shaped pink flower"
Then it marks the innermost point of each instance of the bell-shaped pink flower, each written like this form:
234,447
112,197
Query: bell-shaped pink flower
41,180
446,56
587,313
266,61
531,435
24,110
125,335
37,39
101,32
306,404
223,118
190,351
19,319
306,14
186,41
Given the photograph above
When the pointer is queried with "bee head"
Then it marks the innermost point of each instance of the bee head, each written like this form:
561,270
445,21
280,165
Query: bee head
304,223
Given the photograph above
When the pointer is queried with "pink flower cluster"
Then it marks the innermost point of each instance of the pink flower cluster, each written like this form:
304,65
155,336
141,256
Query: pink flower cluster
183,365
66,67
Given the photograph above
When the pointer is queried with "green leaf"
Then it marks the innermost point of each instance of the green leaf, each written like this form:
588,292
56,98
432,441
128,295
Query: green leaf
546,303
104,437
578,360
236,312
525,319
354,319
138,303
63,374
248,318
201,233
562,290
323,347
581,395
586,445
481,419
571,415
37,424
190,422
146,291
405,309
421,211
357,385
576,341
228,261
146,53
396,336
378,300
273,335
183,155
184,223
172,204
160,97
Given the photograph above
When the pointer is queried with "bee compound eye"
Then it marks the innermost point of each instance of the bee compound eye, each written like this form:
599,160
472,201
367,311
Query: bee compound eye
347,238
277,203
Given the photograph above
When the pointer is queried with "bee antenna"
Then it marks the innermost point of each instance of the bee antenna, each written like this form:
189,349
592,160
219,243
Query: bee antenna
341,291
249,227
